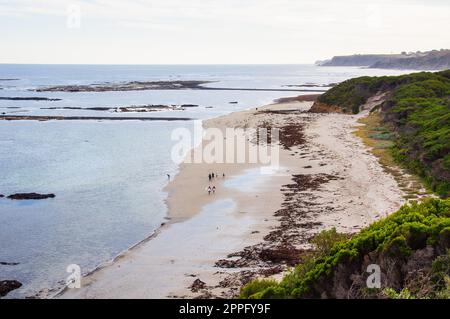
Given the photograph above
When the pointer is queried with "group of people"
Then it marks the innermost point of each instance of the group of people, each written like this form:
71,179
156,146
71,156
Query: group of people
211,189
211,177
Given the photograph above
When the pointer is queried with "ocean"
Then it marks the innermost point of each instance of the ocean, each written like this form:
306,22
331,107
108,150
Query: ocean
108,176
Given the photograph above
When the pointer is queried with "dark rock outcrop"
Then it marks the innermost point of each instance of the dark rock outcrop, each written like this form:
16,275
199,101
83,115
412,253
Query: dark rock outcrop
131,108
8,285
126,86
3,263
88,118
197,285
33,98
30,196
157,85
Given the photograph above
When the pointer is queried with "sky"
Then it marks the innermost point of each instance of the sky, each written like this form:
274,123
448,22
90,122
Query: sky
216,31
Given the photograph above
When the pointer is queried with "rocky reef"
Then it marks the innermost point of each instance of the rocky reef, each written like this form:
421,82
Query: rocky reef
7,286
30,196
126,86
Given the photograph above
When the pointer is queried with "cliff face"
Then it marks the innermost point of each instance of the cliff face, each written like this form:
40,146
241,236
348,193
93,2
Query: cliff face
358,59
432,60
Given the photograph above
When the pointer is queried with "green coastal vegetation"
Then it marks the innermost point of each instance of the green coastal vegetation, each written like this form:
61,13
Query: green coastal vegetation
411,246
380,140
415,116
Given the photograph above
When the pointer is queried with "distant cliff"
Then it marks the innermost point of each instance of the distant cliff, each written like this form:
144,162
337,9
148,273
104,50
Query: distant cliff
431,60
358,59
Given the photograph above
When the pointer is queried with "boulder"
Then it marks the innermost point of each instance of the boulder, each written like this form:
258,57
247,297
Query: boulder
34,196
8,285
197,285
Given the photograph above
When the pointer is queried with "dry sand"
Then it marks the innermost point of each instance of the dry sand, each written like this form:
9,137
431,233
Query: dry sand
206,228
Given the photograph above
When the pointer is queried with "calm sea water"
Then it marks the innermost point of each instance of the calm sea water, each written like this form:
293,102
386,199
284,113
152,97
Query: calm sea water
107,176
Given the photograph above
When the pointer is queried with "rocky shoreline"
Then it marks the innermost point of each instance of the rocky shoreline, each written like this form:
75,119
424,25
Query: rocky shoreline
126,86
6,286
157,85
30,196
312,85
4,263
86,118
120,109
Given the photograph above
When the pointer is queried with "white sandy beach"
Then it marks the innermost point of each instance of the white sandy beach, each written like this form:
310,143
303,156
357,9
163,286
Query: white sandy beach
203,229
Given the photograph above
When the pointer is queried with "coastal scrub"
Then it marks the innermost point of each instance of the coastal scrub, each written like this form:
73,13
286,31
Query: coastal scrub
410,245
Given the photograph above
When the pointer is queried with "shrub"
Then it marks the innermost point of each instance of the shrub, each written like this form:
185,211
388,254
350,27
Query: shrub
441,272
256,286
326,239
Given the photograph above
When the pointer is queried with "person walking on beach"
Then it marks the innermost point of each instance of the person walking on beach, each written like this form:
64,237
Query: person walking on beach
214,189
223,175
168,177
212,175
209,190
209,176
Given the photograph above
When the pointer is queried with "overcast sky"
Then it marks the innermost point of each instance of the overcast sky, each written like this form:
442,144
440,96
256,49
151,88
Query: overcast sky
216,31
